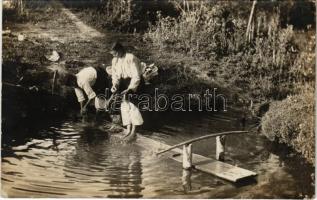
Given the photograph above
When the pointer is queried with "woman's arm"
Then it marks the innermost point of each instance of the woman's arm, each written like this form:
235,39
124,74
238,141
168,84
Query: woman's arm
82,111
81,98
79,94
84,107
90,94
115,77
135,73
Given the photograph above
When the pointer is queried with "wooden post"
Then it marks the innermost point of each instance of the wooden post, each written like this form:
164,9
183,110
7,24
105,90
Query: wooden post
186,181
187,156
220,148
250,20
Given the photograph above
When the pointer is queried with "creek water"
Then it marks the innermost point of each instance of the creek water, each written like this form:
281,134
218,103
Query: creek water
80,158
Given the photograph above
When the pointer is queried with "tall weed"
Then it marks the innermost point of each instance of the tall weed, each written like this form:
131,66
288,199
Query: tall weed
267,67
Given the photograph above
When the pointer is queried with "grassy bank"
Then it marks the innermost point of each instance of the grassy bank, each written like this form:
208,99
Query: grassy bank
265,65
206,45
209,39
276,60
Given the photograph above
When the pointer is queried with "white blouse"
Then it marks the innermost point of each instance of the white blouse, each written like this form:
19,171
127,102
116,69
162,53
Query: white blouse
85,79
127,67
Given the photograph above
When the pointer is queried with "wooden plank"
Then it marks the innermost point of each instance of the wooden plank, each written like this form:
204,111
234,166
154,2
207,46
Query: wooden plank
202,163
221,169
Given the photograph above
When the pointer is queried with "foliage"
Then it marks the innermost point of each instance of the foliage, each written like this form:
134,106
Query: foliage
199,32
126,15
113,13
275,62
291,121
266,67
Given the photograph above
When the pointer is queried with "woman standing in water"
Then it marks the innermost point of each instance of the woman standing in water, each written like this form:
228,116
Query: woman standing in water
127,79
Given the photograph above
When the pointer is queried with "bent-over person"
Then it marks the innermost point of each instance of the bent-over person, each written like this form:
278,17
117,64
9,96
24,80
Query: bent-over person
90,82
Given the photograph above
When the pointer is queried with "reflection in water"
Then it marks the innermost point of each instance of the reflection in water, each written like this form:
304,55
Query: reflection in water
187,184
128,181
117,165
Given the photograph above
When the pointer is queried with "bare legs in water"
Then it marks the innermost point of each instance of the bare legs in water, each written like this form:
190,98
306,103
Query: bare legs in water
130,134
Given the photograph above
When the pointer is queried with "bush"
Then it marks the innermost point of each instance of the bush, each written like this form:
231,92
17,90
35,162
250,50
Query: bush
201,32
292,121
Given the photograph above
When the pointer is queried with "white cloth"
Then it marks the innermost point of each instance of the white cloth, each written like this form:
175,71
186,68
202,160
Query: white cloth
100,103
127,67
85,79
130,114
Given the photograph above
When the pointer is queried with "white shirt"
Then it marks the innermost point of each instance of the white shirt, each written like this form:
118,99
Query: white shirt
127,67
85,79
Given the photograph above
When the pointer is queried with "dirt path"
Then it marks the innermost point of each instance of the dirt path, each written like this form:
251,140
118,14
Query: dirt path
63,27
86,32
62,31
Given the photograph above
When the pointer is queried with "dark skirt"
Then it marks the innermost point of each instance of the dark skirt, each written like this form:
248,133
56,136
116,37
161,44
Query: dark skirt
132,96
102,82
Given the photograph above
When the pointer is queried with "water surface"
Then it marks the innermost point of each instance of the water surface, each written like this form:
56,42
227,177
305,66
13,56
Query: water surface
76,158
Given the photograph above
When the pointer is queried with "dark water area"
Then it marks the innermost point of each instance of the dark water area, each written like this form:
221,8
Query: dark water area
77,157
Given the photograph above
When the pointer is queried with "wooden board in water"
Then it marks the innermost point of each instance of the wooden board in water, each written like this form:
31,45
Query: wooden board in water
202,163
